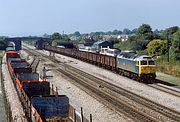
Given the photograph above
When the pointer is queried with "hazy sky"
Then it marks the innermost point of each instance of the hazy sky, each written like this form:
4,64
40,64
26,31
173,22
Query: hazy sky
36,17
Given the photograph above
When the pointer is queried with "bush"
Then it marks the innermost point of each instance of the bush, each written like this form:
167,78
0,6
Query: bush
157,47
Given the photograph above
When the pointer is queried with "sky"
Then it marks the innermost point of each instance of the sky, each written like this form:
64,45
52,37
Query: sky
36,17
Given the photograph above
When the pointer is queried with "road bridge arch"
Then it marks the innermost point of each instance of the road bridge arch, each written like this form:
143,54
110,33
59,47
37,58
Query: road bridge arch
18,41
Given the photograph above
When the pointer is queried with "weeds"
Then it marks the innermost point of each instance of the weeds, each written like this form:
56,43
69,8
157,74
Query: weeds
171,67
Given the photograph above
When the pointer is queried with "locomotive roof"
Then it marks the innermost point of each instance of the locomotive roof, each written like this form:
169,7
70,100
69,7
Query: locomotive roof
132,55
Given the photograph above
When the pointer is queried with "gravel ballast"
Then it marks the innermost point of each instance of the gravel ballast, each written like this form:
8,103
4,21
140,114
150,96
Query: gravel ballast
79,98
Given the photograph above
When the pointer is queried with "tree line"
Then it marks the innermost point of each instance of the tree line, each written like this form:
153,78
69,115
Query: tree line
3,43
155,43
143,39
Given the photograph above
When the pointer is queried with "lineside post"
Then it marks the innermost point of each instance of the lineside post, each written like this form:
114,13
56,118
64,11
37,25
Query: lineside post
90,117
82,115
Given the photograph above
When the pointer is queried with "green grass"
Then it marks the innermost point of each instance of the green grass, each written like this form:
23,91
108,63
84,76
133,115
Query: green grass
170,79
171,68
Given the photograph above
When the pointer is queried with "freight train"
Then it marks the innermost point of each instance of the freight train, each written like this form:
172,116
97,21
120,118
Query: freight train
40,102
127,63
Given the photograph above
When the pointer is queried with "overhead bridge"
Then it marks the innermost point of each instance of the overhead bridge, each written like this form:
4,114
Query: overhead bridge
16,42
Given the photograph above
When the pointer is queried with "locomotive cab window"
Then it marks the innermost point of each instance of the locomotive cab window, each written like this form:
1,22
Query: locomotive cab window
151,62
143,62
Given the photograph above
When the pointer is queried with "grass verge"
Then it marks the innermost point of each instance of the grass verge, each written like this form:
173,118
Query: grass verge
171,68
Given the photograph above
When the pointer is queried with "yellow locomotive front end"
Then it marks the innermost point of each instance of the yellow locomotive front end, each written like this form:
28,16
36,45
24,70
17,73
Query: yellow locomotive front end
147,69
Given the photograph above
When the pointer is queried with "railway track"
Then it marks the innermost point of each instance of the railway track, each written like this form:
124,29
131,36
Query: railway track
132,105
113,89
35,63
166,89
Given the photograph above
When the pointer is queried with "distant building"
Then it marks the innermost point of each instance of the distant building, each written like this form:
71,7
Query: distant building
86,42
102,44
108,37
74,38
123,37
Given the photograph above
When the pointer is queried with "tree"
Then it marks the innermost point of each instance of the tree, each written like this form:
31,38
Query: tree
134,31
144,32
77,34
126,31
65,37
175,48
167,33
144,28
132,38
139,45
172,54
56,36
3,44
176,40
116,32
157,47
55,42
